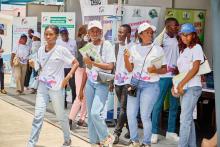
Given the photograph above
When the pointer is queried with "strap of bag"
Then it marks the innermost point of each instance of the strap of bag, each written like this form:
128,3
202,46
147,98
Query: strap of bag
143,64
41,66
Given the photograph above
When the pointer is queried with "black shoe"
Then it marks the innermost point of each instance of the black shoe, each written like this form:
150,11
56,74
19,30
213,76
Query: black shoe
116,139
70,123
127,135
110,124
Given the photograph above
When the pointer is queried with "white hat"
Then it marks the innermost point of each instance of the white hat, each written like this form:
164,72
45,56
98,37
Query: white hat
36,34
145,26
95,23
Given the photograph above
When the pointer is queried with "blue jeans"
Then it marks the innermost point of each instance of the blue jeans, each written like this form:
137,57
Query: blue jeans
147,95
187,127
96,97
165,86
42,99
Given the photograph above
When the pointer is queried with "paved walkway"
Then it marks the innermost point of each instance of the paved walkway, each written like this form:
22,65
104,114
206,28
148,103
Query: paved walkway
15,125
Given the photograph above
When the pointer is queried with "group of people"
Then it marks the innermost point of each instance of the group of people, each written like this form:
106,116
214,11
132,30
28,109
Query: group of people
140,72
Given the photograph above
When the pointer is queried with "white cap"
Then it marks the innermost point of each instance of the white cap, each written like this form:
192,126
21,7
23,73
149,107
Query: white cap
145,26
36,34
95,23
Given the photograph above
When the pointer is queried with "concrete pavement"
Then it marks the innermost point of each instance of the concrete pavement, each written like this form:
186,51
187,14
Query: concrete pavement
15,125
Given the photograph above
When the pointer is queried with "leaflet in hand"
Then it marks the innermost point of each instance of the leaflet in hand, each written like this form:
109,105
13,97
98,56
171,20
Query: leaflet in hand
177,79
157,62
88,50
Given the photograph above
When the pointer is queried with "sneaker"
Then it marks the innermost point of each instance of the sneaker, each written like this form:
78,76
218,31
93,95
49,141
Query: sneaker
134,144
116,139
172,136
154,138
73,125
3,91
82,123
67,143
108,142
127,135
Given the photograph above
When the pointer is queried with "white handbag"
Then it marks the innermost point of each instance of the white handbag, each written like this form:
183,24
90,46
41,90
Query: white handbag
204,67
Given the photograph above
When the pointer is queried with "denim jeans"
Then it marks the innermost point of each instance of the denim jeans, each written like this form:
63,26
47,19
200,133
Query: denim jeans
43,96
187,127
165,86
147,95
121,92
96,94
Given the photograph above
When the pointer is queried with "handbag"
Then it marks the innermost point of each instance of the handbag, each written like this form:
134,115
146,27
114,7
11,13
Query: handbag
104,77
16,60
204,67
132,89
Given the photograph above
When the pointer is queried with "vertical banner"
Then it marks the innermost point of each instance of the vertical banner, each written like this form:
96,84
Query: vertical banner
136,15
21,25
61,19
107,15
196,17
6,22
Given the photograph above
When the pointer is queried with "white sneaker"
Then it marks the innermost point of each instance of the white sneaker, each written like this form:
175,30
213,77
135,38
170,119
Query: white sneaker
134,144
154,138
172,136
108,142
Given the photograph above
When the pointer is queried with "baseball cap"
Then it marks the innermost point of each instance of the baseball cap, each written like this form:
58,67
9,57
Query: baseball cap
94,23
36,34
145,26
63,30
187,28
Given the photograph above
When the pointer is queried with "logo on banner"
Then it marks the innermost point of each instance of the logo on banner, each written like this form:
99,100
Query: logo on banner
95,2
24,21
136,13
101,9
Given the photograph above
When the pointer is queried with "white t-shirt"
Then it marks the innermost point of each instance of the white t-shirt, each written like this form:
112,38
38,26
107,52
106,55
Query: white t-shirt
138,54
122,76
108,56
53,72
171,50
185,63
70,45
22,52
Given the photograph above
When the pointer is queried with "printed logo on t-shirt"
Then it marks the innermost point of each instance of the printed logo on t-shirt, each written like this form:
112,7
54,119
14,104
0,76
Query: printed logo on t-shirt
49,81
121,77
143,77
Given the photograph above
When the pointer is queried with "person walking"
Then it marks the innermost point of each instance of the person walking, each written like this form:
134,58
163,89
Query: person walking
3,91
97,89
144,85
19,61
51,61
190,87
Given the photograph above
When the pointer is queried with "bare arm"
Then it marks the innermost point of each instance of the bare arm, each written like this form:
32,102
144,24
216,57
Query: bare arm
161,70
128,65
12,58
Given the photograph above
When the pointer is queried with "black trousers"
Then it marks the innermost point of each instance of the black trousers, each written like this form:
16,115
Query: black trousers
1,73
27,76
121,92
72,86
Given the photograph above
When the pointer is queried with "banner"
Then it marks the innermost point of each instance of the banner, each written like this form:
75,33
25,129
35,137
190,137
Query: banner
136,15
196,17
61,19
107,15
21,25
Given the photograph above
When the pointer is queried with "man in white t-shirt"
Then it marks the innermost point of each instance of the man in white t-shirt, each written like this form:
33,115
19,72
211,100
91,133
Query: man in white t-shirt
70,44
170,46
122,78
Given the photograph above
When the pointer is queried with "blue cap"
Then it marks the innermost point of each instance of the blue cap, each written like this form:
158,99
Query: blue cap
63,30
187,28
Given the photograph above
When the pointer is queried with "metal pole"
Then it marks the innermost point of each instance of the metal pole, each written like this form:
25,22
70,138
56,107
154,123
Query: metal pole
0,5
215,9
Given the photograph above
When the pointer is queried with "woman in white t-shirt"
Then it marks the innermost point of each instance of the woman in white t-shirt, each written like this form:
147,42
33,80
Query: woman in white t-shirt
96,91
21,52
145,77
190,88
52,59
